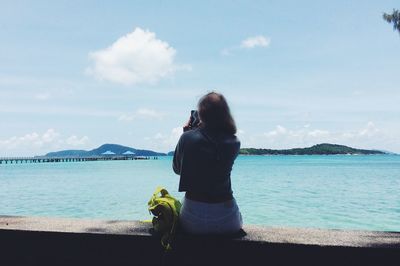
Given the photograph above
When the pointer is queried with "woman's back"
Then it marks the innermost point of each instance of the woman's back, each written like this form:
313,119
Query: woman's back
204,159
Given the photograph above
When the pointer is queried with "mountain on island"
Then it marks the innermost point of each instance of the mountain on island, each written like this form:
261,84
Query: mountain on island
105,149
119,150
319,149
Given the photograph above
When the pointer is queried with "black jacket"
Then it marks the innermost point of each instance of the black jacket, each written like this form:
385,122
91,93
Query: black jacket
204,160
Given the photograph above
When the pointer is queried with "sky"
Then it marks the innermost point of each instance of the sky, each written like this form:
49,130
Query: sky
78,74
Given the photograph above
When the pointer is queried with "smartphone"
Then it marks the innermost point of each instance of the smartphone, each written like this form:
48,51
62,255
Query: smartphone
194,119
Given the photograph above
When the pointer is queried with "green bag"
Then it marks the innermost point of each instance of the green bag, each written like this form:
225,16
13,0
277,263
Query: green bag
165,209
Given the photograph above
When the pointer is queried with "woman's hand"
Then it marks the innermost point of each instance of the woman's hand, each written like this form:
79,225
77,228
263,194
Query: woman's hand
187,126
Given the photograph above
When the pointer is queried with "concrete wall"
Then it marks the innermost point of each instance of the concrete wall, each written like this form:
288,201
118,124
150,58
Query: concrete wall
51,241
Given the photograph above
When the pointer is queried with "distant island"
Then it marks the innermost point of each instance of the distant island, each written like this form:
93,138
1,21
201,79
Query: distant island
319,149
104,150
119,150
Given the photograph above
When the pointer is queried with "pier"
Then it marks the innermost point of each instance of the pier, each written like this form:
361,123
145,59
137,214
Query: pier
19,160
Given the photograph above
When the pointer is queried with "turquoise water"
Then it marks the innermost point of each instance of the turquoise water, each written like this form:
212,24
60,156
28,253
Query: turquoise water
343,192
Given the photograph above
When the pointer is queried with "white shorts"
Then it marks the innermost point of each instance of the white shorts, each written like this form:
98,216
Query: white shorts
210,218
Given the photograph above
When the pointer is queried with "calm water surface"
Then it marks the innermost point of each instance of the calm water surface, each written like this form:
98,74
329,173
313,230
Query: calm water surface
343,192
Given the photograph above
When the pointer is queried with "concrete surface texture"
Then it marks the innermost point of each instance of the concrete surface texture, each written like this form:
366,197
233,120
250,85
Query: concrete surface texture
60,241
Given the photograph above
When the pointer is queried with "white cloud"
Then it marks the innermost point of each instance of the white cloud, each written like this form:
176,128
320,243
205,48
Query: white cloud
369,131
240,132
30,140
34,143
280,130
165,142
42,96
319,133
138,57
227,51
248,43
368,136
50,135
126,117
315,135
76,141
280,137
142,113
256,41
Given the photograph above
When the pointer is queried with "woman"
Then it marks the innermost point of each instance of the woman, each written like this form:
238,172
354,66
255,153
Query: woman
203,158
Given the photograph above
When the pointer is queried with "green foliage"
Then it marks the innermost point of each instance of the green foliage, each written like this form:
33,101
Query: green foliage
319,149
393,18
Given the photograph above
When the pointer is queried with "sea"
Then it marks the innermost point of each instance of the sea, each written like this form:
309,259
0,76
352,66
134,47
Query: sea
337,191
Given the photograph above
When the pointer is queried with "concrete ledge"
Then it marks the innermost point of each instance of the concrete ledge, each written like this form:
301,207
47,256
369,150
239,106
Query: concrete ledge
53,241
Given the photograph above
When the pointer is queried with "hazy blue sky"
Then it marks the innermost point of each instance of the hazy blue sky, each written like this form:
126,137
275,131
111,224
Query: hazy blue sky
77,74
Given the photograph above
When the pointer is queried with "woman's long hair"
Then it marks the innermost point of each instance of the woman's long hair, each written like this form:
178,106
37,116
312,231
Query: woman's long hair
215,114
